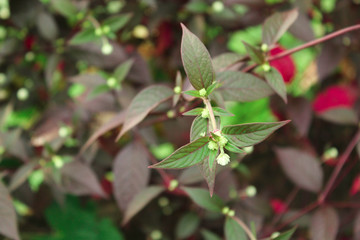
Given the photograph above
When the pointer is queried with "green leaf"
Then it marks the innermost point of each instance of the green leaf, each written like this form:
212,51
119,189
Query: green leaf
143,103
233,231
196,60
102,88
187,225
207,235
212,88
255,53
243,87
202,198
244,135
193,93
122,70
285,235
225,60
186,156
199,128
193,112
8,224
208,173
84,36
212,156
140,201
64,7
221,112
117,22
276,81
276,25
232,148
22,174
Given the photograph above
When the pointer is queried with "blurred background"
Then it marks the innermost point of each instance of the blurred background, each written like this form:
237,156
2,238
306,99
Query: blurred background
69,69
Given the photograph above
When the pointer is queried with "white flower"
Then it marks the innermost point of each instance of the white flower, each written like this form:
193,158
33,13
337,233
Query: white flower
202,92
223,141
205,113
212,145
223,159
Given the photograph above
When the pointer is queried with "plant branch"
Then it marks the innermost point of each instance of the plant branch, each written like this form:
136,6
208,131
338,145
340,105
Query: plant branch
211,113
339,166
306,45
302,212
243,225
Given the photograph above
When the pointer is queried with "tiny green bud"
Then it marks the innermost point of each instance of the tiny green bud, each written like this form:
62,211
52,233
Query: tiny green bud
107,48
30,56
264,47
251,191
266,67
223,141
22,94
249,149
275,235
218,6
182,109
231,213
225,210
114,6
163,201
156,235
106,29
173,185
111,82
330,153
65,131
177,89
140,31
202,92
170,114
2,150
205,113
98,31
58,161
213,145
2,78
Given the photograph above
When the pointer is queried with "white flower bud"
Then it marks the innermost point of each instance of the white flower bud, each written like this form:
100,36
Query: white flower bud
223,159
223,141
205,113
212,145
202,92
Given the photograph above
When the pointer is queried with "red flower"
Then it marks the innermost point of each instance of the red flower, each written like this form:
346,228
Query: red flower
334,97
278,206
284,65
165,38
355,186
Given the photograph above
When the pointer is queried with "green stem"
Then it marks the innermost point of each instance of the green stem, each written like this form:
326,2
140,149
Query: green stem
211,113
246,229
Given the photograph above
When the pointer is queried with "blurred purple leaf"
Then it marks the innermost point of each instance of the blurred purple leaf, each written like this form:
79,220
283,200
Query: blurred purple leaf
324,224
79,179
21,174
276,82
140,201
340,115
131,174
143,103
8,224
301,167
329,58
357,225
300,113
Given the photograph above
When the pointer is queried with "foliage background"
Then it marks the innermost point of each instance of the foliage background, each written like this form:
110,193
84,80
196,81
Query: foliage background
61,83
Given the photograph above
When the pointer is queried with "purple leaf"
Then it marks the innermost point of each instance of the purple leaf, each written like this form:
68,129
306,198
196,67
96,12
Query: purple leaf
143,103
202,198
276,25
357,226
225,60
300,112
302,168
276,82
131,174
140,201
8,225
324,224
243,87
196,60
340,115
80,179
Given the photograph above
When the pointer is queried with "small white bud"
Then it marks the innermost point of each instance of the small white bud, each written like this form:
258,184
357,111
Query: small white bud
205,113
223,159
202,92
213,145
